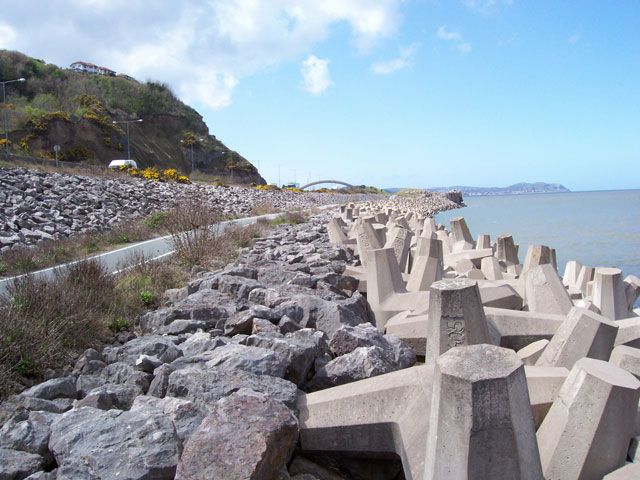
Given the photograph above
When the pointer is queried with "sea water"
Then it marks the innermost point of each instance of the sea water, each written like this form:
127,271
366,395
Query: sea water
599,229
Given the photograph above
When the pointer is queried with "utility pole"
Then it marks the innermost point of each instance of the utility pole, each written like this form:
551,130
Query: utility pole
127,122
6,112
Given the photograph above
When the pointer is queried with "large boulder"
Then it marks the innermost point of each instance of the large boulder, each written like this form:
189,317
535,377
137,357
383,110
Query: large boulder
186,416
62,387
137,444
205,386
28,432
246,436
300,348
16,465
315,312
363,362
161,347
251,359
348,338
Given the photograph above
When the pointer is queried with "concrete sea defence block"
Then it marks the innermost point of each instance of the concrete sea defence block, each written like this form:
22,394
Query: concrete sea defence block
481,424
456,317
506,250
460,231
609,293
544,384
544,292
586,433
518,328
627,358
582,334
531,353
537,255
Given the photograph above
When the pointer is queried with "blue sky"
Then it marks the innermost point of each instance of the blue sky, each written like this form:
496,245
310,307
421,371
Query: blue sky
388,93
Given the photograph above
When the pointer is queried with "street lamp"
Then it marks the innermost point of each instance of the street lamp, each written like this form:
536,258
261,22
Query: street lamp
6,111
127,122
191,146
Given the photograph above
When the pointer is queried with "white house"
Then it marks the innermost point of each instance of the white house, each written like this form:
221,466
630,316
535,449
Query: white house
87,67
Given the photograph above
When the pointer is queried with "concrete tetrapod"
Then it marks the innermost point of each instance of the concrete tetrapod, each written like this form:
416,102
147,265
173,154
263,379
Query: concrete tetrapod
376,417
582,334
427,265
386,291
460,232
544,292
481,426
506,251
536,255
609,293
586,433
456,317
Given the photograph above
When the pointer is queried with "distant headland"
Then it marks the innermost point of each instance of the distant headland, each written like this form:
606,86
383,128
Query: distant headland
515,189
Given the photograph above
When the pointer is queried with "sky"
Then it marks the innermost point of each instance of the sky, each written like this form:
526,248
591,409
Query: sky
390,93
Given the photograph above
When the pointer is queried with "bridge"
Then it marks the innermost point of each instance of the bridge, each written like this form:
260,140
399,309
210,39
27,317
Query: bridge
338,182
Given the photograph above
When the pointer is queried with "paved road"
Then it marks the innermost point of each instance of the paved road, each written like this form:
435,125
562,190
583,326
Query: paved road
153,249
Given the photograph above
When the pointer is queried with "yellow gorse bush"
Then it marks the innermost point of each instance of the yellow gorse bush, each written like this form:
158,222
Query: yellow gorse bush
153,175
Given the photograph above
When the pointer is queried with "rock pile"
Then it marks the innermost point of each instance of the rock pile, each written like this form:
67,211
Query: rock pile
210,389
527,375
38,206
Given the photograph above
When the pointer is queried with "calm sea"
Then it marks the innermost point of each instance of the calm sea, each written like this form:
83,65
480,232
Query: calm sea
600,229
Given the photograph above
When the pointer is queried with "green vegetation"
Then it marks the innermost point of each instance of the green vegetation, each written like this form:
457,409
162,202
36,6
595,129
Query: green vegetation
47,323
66,249
76,110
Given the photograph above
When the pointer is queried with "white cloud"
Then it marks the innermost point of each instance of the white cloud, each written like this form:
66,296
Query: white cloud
315,74
464,47
402,61
7,35
444,34
485,6
455,37
202,49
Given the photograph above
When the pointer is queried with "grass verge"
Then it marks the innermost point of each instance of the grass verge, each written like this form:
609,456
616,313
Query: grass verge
46,324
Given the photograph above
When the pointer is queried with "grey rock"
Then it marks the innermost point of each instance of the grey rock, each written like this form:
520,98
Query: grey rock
206,386
120,396
185,415
200,342
178,327
147,363
261,325
259,430
114,444
28,432
256,360
239,323
239,287
158,346
363,362
158,386
288,325
300,350
16,465
63,387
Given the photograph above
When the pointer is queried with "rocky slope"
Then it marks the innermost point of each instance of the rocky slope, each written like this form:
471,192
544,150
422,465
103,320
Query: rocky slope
38,206
209,388
76,110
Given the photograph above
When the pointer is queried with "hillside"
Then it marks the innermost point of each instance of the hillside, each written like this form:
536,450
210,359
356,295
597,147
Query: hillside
75,110
515,189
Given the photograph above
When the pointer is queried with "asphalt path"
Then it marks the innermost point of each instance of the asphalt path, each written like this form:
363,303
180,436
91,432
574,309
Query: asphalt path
149,250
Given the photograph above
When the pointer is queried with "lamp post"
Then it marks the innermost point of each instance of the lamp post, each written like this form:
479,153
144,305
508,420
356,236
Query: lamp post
193,165
6,114
127,122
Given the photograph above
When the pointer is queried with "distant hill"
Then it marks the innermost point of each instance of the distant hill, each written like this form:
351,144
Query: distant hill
515,189
75,110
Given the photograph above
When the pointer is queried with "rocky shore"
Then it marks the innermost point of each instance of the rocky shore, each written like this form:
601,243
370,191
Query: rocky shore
38,206
219,369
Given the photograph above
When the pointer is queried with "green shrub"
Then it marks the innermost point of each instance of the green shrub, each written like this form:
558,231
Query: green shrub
146,297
